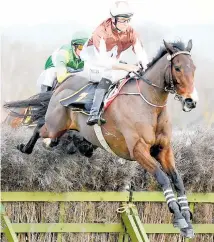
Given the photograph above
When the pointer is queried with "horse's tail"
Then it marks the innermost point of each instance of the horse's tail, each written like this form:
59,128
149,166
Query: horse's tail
38,105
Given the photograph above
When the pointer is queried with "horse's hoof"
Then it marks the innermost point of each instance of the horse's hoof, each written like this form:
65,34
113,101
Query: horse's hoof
20,147
29,151
25,151
89,154
187,233
180,223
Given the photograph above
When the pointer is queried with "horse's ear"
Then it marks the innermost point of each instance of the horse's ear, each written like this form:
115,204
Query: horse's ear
189,46
169,47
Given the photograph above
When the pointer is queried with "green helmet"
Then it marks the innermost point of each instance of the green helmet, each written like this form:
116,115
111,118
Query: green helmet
79,38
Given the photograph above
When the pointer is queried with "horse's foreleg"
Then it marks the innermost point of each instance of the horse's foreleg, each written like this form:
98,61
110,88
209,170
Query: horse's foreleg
141,153
28,148
166,158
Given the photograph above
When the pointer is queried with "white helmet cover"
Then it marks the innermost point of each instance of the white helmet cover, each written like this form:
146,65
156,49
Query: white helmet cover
121,9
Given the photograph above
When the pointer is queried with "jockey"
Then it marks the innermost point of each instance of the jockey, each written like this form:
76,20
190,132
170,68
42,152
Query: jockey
101,53
62,62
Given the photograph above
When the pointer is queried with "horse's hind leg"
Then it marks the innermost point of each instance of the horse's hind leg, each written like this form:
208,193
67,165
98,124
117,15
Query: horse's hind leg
166,159
28,148
57,118
141,153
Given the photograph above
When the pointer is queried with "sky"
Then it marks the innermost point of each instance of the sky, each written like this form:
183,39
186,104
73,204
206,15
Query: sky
166,12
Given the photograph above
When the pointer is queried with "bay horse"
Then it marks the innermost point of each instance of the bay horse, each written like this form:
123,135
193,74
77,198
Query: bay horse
138,126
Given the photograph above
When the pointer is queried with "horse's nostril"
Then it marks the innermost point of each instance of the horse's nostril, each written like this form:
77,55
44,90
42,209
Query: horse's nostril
188,100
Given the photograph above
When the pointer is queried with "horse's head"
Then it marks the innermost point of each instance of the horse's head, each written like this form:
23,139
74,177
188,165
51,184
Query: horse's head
181,79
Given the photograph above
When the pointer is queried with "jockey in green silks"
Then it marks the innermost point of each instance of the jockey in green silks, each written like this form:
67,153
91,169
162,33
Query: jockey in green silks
63,61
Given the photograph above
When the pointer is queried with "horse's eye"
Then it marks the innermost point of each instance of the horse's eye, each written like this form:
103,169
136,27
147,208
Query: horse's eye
177,69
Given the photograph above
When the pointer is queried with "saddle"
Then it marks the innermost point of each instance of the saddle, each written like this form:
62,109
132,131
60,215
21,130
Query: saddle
82,100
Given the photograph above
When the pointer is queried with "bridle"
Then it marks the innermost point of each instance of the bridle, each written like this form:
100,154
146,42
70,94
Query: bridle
171,87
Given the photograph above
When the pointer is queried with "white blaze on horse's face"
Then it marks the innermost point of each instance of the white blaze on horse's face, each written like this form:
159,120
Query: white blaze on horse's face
183,71
188,103
194,95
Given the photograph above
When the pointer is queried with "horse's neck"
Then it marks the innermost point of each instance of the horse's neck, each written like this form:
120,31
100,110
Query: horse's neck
156,72
156,75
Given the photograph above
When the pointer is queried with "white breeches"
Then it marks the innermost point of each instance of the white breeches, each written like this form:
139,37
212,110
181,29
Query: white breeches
47,77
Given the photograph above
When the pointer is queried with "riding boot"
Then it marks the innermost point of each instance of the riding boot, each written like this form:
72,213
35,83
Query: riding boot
100,92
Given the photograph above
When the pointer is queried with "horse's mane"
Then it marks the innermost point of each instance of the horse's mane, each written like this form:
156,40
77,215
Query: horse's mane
179,45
